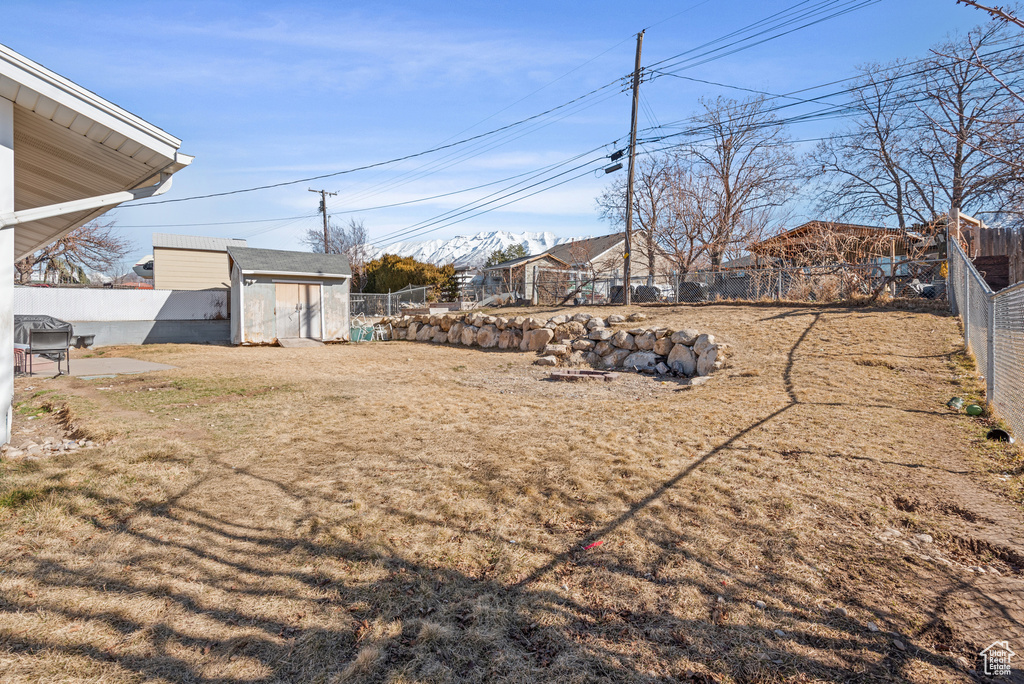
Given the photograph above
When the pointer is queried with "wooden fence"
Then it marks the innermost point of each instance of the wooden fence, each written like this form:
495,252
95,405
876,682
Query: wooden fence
998,249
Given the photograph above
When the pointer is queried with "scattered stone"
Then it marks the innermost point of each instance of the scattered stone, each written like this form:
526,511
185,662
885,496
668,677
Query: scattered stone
636,317
840,611
662,369
761,604
615,319
899,644
779,633
924,538
890,533
663,347
872,627
15,453
583,375
547,361
992,571
696,382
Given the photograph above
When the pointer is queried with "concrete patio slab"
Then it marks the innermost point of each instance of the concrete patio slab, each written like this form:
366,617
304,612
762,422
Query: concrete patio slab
96,367
292,342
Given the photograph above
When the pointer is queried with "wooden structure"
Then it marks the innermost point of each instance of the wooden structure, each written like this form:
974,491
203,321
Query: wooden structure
189,262
278,294
820,242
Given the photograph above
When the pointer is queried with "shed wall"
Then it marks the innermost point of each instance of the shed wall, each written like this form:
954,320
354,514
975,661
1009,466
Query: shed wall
190,269
258,296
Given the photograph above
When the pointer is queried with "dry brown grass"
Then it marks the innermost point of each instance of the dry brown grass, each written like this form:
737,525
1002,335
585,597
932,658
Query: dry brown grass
400,512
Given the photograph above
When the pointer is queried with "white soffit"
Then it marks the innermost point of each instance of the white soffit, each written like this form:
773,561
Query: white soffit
71,144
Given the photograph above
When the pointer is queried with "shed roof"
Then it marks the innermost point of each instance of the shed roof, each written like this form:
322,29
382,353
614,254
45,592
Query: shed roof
282,262
209,244
70,146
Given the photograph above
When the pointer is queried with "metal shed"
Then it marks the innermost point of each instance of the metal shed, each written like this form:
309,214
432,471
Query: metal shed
279,294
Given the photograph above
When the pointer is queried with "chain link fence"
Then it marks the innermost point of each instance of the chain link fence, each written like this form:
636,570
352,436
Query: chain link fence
908,279
993,325
391,304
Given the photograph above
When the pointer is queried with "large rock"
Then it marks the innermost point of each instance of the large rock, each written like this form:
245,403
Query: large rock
595,323
547,361
662,369
440,336
569,331
663,347
555,350
615,319
582,318
645,341
501,323
411,332
682,360
702,343
433,319
623,340
615,359
446,322
601,334
469,335
455,332
559,319
592,358
517,322
535,340
505,339
706,361
604,348
425,333
583,345
487,336
533,323
636,317
687,336
662,332
641,360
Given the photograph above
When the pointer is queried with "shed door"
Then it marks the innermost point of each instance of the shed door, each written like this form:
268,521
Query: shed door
287,310
309,313
298,310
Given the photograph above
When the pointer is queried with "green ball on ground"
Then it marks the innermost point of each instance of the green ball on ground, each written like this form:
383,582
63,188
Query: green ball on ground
974,410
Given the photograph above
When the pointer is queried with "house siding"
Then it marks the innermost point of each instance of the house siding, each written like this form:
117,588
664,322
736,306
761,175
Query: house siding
187,269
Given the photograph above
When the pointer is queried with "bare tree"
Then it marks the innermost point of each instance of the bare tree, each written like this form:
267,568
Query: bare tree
96,246
1005,14
651,205
744,169
926,138
349,239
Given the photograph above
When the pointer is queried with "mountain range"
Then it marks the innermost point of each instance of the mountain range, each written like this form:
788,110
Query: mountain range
470,250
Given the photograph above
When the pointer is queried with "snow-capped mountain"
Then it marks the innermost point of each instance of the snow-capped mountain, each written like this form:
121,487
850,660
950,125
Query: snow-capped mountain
470,250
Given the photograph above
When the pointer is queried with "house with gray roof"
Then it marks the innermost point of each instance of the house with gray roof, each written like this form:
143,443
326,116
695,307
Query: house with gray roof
278,294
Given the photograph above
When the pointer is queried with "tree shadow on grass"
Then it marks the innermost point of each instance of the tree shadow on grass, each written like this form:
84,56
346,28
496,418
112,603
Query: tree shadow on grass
214,598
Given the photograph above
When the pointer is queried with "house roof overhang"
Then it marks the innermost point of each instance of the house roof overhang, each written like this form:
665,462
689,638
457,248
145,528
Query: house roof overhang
76,155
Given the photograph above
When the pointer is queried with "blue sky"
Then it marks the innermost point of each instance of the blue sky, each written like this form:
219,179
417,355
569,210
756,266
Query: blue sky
264,93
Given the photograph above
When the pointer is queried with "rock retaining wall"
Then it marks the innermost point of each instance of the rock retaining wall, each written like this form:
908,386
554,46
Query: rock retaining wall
578,340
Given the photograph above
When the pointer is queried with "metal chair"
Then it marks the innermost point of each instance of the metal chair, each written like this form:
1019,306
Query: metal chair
52,343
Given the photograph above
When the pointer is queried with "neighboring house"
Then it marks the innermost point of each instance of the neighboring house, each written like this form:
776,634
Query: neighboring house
279,294
517,276
67,156
823,242
604,255
190,262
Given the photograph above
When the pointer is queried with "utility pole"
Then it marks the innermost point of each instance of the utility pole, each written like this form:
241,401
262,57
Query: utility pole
323,210
627,297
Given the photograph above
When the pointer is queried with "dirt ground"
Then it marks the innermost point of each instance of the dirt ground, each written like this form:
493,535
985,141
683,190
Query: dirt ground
404,512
